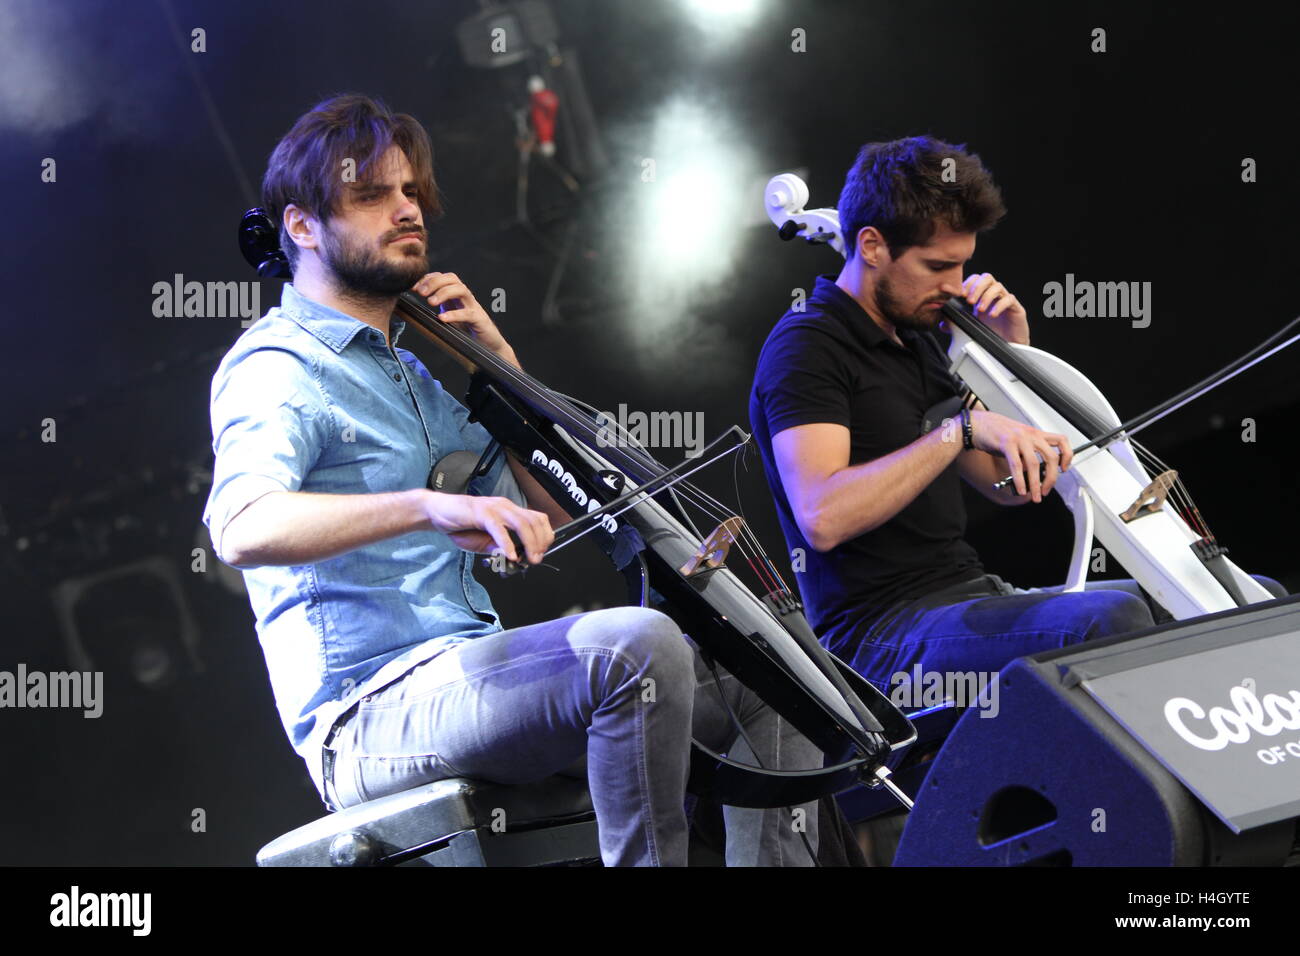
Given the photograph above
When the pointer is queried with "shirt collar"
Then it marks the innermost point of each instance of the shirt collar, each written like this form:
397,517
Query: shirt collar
336,329
854,316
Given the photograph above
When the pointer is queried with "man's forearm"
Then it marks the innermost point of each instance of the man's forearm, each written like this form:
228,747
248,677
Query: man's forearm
295,527
859,498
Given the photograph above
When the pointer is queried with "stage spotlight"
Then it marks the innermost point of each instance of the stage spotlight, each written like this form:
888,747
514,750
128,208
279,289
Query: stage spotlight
689,208
134,619
722,14
507,33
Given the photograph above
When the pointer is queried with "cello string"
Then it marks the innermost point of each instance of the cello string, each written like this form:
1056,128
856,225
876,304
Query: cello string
1182,494
694,491
1194,518
750,546
1178,493
420,314
687,488
547,398
715,509
1059,400
631,504
570,540
543,396
424,318
1184,504
1108,434
774,574
660,482
1182,500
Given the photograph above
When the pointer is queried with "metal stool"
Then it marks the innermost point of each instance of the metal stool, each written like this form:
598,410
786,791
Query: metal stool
455,822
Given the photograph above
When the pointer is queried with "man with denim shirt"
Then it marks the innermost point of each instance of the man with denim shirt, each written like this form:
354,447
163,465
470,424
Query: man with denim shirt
388,662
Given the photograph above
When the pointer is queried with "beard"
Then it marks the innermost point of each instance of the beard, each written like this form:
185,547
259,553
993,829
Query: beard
918,320
363,274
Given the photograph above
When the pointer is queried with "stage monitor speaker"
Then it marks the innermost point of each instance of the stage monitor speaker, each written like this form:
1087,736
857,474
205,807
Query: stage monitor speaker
1066,772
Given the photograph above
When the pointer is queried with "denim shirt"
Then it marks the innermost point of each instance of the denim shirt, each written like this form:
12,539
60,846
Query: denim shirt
310,399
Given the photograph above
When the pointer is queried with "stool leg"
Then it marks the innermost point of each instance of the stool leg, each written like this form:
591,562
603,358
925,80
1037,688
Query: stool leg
464,849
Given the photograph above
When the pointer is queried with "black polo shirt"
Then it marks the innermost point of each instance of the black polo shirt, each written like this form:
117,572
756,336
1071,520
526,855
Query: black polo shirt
832,363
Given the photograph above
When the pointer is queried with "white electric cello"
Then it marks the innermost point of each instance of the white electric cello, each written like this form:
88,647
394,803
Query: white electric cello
1116,490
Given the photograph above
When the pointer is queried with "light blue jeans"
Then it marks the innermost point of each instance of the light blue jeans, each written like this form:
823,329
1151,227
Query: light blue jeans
614,694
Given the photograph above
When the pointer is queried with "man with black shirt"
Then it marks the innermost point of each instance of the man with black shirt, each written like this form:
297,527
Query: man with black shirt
870,503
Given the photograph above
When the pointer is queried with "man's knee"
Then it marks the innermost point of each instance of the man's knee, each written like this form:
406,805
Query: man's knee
1273,587
1117,612
648,638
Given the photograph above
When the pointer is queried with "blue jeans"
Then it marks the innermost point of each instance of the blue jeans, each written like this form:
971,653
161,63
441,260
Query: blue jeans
982,625
614,695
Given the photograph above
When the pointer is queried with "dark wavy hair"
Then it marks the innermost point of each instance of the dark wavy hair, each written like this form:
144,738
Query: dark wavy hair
306,166
900,188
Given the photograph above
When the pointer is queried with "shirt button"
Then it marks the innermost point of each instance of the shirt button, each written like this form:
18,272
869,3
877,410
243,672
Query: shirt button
397,376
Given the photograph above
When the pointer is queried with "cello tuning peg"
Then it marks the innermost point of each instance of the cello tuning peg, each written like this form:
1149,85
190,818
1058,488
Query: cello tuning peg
789,229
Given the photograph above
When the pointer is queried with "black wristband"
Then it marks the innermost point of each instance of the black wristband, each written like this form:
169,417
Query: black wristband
967,432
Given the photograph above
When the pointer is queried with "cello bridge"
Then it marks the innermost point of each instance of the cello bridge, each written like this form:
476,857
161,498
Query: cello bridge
712,553
1152,497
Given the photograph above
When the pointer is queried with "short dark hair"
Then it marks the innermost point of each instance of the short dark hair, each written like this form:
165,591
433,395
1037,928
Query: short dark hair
305,168
900,187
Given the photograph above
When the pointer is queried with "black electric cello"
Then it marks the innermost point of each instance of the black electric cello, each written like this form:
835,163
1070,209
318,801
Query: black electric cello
634,509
